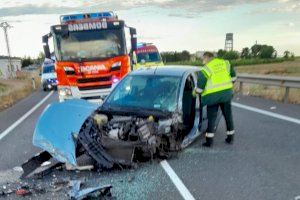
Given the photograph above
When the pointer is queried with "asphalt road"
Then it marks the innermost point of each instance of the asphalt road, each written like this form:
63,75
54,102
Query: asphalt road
263,163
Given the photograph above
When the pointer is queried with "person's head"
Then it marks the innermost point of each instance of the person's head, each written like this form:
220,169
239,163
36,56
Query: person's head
207,56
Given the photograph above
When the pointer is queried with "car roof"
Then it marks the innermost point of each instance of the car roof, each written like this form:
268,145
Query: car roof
169,70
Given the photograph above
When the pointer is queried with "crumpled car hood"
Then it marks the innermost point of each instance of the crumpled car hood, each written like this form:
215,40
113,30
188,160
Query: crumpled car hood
58,127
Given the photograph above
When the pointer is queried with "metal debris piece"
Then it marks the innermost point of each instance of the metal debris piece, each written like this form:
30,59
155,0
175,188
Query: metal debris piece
18,169
45,172
99,192
46,163
33,163
81,168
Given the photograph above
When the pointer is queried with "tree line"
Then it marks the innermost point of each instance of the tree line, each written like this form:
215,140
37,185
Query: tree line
257,51
27,60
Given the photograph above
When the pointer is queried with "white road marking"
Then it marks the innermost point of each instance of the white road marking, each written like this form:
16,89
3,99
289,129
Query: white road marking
20,120
185,193
264,112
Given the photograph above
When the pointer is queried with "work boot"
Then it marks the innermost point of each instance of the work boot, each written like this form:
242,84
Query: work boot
209,140
230,137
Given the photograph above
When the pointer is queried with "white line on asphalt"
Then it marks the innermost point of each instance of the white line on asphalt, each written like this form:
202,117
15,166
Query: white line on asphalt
185,193
19,121
264,112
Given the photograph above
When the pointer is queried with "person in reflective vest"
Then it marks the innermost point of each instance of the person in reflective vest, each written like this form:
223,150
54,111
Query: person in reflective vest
215,85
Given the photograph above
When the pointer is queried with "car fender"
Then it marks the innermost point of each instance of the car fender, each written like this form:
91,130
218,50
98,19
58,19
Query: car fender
57,128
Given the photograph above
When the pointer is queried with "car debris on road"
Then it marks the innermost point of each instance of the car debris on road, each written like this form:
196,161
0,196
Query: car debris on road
98,192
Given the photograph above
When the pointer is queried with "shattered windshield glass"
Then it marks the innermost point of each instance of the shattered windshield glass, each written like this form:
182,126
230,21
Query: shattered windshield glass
146,92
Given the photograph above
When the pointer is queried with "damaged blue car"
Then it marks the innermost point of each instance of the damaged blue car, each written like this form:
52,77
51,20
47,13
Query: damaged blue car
150,113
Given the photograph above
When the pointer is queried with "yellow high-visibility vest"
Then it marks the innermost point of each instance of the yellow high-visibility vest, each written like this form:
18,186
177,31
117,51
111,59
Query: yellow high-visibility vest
217,72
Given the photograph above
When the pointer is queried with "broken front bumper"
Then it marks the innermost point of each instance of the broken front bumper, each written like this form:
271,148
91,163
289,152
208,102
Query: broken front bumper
58,127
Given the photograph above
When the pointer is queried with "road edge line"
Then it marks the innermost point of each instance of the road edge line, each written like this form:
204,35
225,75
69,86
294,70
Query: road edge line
185,193
21,119
268,113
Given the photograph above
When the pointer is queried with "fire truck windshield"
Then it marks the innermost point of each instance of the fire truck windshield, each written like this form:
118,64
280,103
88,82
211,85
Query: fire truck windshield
89,45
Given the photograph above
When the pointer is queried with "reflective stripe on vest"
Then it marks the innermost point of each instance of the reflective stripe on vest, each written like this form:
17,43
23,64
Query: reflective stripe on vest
219,78
206,71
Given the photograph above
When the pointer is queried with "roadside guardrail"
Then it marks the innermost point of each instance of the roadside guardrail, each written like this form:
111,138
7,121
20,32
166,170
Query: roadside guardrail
280,81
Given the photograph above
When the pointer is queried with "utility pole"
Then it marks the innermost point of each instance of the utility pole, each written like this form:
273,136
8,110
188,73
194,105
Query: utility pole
5,26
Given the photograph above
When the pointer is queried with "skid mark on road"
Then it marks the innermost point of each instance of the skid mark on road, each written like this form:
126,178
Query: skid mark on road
185,193
20,120
264,112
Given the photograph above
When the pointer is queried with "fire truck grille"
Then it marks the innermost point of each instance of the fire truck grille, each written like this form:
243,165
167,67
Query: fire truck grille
98,87
93,80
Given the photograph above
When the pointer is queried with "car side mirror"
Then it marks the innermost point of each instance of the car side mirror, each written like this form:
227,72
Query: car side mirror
134,58
45,39
133,39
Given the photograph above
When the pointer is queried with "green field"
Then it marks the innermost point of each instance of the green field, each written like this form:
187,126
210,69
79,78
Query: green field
286,68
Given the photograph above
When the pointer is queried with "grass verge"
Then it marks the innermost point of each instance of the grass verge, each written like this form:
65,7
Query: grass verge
287,68
3,88
270,92
13,90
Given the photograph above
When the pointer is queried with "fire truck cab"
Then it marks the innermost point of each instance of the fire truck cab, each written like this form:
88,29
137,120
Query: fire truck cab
147,55
93,52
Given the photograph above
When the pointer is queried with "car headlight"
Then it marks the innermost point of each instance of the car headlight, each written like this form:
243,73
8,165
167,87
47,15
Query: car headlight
115,79
64,91
116,66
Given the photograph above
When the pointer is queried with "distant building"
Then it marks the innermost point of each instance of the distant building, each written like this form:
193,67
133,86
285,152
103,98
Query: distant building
4,66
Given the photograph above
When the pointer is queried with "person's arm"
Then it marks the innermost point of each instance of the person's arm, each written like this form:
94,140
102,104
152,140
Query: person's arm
201,83
233,74
231,70
202,79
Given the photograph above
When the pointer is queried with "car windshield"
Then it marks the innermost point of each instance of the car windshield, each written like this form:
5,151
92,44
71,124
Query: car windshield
90,45
148,57
146,92
48,69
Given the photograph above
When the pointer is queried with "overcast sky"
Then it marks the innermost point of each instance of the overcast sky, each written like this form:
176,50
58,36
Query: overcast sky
171,24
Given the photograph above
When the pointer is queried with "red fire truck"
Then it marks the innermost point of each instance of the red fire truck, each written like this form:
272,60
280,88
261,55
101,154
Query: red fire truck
92,51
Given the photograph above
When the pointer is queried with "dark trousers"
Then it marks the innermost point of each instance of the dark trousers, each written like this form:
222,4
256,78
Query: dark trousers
212,113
